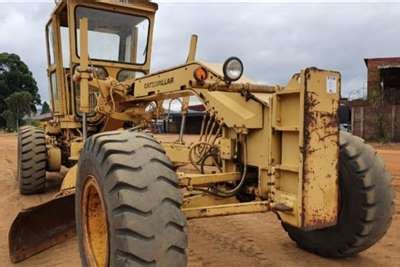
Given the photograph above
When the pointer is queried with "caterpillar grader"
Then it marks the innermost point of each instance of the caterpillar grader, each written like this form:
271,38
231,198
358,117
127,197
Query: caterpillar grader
132,182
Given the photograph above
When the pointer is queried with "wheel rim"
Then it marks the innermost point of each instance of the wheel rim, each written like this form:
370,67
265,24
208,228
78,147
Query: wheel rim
94,224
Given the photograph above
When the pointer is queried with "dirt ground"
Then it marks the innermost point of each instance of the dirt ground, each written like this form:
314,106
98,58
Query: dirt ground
242,240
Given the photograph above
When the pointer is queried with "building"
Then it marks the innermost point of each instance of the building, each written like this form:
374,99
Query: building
378,117
384,76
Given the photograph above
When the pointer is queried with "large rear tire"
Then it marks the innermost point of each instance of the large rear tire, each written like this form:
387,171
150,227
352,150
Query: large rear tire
32,160
366,202
128,203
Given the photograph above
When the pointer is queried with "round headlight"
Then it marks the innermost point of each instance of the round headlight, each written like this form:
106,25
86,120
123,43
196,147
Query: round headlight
233,69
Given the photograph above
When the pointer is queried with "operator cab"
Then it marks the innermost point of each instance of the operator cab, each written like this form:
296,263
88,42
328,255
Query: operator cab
119,45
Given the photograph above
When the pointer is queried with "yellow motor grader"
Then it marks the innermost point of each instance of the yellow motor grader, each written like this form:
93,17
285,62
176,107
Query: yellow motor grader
131,186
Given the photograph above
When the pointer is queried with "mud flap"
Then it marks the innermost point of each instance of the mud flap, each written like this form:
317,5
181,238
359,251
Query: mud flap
40,227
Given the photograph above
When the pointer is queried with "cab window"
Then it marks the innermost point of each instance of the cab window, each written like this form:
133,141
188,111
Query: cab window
114,36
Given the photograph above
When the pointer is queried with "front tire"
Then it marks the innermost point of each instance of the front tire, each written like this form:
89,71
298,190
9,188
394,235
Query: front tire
32,160
128,203
366,204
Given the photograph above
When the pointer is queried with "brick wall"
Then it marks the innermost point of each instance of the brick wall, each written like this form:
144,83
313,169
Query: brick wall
374,72
373,123
376,123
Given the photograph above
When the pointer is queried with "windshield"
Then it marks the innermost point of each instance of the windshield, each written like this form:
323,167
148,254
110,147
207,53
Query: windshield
114,36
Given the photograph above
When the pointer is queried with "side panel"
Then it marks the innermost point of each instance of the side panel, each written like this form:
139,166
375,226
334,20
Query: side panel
305,131
320,149
233,109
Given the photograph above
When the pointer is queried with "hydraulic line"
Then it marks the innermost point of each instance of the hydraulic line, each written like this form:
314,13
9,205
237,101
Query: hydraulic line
208,126
219,131
231,192
203,123
215,122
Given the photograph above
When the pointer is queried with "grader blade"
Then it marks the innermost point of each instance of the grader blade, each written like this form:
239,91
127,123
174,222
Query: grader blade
37,228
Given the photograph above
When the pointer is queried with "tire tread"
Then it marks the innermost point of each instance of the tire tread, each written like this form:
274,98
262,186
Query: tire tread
376,209
138,182
32,160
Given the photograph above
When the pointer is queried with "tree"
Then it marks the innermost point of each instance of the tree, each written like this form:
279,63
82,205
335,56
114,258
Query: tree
18,105
15,76
45,108
9,119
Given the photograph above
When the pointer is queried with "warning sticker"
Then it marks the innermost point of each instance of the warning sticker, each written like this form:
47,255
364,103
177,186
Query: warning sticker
331,85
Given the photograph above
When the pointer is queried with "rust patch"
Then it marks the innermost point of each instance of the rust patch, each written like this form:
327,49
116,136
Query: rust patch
318,222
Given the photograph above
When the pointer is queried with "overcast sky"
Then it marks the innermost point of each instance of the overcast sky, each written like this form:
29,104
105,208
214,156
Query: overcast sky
273,40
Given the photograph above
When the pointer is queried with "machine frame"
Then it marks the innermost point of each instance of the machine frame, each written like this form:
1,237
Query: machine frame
291,185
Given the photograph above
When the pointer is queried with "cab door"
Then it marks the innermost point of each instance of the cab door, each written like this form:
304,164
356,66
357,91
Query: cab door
55,69
51,69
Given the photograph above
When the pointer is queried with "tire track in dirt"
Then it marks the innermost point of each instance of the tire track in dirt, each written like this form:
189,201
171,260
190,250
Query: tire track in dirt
238,248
